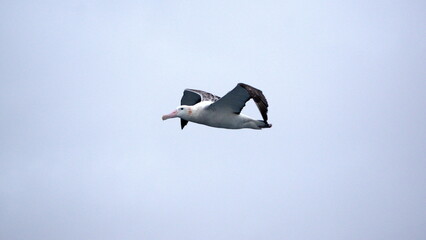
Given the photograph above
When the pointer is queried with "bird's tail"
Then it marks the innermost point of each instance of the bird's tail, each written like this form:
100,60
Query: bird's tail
264,124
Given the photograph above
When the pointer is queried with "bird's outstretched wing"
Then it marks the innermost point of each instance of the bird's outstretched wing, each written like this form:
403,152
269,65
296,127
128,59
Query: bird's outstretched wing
191,97
236,99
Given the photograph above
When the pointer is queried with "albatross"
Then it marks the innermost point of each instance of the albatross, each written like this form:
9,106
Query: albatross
205,108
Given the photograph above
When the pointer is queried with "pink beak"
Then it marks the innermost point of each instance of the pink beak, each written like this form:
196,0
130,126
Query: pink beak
171,115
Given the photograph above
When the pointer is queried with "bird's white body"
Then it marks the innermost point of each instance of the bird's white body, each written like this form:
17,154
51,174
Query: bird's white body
199,113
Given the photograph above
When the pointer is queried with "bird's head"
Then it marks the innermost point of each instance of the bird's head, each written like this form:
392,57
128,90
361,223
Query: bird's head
182,112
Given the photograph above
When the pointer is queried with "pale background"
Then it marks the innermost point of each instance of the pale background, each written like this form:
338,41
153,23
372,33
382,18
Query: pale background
84,153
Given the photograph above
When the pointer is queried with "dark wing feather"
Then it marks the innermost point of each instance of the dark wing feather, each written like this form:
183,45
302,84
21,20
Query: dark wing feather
236,99
192,96
183,123
259,99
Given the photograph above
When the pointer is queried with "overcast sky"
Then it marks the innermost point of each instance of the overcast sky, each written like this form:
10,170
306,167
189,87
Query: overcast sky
84,153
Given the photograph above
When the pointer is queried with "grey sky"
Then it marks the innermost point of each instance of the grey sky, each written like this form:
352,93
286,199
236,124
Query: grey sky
84,153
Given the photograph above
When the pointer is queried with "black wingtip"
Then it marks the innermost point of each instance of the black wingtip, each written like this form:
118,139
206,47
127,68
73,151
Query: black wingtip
183,123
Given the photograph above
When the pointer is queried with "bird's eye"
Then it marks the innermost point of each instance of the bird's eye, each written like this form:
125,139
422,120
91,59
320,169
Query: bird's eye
181,108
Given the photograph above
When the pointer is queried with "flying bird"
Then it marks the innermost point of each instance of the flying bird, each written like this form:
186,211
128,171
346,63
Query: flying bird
205,108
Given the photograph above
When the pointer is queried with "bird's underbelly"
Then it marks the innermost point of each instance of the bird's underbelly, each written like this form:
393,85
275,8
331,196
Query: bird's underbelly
220,120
